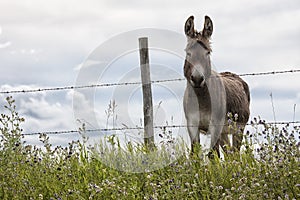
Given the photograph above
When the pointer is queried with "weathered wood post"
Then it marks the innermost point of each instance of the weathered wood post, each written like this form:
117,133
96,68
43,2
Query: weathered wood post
147,93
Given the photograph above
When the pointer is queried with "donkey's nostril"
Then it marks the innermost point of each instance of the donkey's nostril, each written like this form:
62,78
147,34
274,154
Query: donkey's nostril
201,79
197,80
192,78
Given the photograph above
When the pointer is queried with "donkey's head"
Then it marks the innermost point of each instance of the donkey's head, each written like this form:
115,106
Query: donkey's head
197,67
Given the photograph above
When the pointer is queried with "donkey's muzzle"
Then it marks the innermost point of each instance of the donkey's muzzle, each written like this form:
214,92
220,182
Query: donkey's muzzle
197,81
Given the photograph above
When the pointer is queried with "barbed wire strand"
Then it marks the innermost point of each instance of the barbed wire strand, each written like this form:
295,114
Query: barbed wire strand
141,128
132,83
271,72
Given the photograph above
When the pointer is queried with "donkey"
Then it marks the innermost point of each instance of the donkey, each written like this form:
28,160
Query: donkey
209,96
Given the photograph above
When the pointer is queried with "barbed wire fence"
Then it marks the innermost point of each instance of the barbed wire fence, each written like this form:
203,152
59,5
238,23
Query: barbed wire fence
49,89
141,128
133,83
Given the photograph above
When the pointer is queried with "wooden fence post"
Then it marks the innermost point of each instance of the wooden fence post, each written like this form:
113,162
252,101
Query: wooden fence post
147,93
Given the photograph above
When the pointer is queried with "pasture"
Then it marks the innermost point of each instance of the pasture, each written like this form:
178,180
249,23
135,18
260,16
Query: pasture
268,171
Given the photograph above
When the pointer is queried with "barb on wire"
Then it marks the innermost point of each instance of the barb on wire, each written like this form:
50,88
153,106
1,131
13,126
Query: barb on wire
132,83
141,128
69,87
87,130
271,73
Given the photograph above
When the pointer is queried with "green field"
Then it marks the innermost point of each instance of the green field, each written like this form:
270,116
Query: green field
80,171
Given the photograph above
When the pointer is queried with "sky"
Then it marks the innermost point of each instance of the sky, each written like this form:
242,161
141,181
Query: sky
50,44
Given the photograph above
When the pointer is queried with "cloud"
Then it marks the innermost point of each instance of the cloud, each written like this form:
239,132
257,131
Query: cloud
42,43
41,112
88,63
5,45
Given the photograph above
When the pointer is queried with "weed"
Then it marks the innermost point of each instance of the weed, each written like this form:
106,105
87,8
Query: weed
268,169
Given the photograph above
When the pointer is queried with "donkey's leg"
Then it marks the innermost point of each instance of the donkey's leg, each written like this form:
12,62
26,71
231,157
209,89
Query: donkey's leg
215,130
194,136
237,138
224,142
218,111
216,148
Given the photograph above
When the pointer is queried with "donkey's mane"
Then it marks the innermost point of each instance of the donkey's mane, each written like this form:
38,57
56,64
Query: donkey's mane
198,38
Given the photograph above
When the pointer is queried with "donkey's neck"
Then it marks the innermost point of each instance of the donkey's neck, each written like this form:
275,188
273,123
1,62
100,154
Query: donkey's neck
202,94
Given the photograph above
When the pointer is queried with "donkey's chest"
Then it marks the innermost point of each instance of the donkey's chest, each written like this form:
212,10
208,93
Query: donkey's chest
197,107
204,120
198,117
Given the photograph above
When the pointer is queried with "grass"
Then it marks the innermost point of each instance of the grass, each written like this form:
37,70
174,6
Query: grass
83,172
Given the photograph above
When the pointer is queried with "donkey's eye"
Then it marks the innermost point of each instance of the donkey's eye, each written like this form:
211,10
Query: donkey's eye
208,53
188,54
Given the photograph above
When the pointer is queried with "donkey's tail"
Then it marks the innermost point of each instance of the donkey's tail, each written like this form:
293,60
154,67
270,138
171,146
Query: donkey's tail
246,88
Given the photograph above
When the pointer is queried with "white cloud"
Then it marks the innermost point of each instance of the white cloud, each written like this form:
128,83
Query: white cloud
87,64
41,112
29,51
5,45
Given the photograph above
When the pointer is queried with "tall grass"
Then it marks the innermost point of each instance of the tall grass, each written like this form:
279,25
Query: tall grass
266,171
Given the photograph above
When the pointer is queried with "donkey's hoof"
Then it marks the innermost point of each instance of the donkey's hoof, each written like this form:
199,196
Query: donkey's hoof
211,155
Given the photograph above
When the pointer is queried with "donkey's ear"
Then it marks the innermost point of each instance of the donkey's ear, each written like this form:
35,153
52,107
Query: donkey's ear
208,28
189,27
